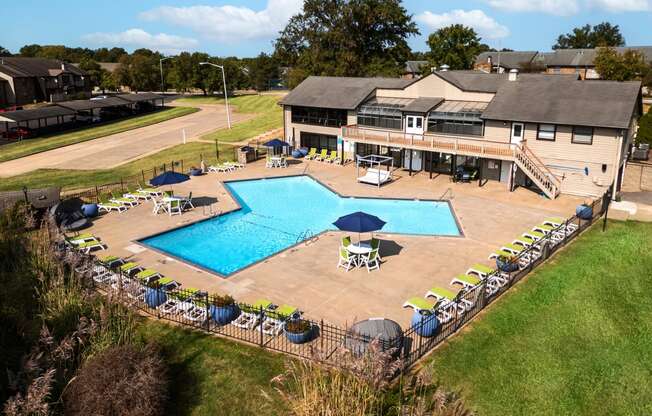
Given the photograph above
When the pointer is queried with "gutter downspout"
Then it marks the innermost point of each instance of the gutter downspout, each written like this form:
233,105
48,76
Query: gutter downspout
617,166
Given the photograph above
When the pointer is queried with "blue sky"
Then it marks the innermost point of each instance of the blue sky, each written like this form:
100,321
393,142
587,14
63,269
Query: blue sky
247,27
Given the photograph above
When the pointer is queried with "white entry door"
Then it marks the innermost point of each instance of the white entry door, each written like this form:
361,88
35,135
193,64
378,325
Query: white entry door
517,133
414,124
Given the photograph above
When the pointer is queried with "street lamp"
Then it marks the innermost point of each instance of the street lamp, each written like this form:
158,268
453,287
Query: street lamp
226,99
160,62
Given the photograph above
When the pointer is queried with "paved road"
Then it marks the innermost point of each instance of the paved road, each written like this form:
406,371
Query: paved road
116,149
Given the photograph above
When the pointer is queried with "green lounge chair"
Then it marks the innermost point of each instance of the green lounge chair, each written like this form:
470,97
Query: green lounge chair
87,246
513,248
274,319
420,304
81,238
467,281
134,193
148,190
168,283
148,276
312,153
322,155
131,267
346,241
332,158
131,202
111,260
543,228
525,241
535,235
346,260
250,314
448,303
106,205
481,270
500,253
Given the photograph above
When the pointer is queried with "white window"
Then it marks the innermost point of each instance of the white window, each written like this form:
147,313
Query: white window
582,135
546,132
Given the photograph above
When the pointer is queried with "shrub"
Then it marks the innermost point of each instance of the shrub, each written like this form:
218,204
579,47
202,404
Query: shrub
123,380
297,326
222,300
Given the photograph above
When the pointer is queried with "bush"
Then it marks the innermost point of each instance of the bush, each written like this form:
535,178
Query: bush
644,134
123,380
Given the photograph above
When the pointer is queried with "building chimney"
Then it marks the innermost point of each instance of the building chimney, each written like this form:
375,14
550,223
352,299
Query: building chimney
444,68
433,69
513,75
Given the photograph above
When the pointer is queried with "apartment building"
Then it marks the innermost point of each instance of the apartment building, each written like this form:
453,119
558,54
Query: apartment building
553,133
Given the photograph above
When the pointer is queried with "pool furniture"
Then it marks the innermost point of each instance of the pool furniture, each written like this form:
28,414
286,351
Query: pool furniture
273,320
375,245
268,161
198,313
136,194
174,206
376,177
147,276
296,153
359,251
486,272
312,153
131,268
370,260
419,304
167,283
322,155
250,315
558,222
450,303
148,190
332,158
221,168
131,202
235,165
103,269
298,331
179,302
86,246
500,253
525,241
186,203
346,260
346,241
108,206
80,238
466,280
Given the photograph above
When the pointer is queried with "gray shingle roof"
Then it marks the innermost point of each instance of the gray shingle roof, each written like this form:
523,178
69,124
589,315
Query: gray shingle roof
36,113
81,105
415,67
344,93
558,100
585,57
478,81
35,67
422,104
508,60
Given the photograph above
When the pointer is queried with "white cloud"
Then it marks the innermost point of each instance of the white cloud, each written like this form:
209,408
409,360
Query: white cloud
486,26
570,7
557,7
229,23
138,38
622,5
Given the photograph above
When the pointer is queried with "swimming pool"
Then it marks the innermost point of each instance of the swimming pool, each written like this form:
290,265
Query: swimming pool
278,213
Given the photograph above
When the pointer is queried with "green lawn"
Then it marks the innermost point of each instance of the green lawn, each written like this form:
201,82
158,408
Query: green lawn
213,376
574,338
268,116
52,141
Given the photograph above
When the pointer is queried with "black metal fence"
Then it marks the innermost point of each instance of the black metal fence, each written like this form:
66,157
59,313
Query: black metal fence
289,332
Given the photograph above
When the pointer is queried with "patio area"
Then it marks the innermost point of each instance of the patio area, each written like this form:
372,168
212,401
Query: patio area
306,276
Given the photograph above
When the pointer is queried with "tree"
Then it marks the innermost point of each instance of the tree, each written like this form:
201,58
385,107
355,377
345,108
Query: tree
644,133
262,69
587,36
4,52
139,71
627,66
94,70
456,46
347,38
30,51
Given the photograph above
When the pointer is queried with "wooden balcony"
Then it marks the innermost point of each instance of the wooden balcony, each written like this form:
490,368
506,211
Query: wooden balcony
457,145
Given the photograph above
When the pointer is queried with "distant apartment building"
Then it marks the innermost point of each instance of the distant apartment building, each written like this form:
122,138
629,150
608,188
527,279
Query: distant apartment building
505,61
30,80
415,69
551,132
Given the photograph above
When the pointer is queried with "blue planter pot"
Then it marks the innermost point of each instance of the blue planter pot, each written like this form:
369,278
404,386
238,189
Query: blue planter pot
506,267
298,338
584,212
297,154
425,325
224,314
155,297
304,151
195,172
89,210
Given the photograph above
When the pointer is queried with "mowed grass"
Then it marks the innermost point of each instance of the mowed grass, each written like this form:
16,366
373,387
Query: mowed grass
214,376
574,338
53,141
268,116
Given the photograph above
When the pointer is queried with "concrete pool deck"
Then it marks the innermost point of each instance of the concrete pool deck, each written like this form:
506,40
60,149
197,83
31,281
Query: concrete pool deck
306,276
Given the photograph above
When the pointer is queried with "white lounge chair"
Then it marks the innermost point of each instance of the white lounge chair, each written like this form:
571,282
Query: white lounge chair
251,314
273,320
346,260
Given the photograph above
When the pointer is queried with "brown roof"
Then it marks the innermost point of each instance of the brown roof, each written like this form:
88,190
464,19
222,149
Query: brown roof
35,114
36,67
557,100
345,93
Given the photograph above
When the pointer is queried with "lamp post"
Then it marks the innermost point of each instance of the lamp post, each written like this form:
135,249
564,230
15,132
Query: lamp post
160,63
226,99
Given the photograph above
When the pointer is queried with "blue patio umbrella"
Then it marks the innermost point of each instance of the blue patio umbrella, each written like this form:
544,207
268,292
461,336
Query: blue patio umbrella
276,143
359,222
169,178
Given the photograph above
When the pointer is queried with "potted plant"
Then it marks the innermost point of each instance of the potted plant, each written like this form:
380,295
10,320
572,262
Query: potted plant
507,264
194,171
584,211
298,331
223,309
425,322
155,296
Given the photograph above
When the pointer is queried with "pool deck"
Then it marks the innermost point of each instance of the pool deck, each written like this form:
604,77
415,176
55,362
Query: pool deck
305,275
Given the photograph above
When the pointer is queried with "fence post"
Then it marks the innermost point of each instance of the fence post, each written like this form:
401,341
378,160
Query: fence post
142,172
97,195
182,166
261,326
321,335
208,316
420,337
122,186
154,172
164,168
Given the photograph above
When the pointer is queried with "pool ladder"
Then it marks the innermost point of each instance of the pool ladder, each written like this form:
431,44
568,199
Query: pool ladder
308,236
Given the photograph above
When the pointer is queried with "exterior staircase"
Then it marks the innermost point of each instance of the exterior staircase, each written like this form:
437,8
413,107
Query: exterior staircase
527,161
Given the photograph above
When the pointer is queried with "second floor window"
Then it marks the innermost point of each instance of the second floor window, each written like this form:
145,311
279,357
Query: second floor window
319,116
582,135
546,132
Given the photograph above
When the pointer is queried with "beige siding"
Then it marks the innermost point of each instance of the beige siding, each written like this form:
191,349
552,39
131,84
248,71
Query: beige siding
497,131
433,86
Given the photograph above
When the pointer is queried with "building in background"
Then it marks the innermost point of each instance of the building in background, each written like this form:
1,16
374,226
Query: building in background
505,61
32,80
415,69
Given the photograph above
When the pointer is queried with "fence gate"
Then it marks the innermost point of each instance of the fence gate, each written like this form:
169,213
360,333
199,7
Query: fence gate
638,177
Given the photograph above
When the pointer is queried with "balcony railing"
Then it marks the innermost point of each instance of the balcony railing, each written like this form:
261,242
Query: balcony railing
433,142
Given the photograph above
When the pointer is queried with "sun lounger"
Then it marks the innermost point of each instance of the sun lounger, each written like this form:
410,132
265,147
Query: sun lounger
131,268
312,153
500,253
450,303
135,194
250,314
168,284
147,276
273,320
466,280
130,202
420,304
221,168
376,177
486,272
106,205
322,155
87,246
557,222
81,238
332,158
149,190
179,302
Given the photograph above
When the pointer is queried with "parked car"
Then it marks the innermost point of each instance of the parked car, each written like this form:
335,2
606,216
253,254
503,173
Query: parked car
85,117
17,133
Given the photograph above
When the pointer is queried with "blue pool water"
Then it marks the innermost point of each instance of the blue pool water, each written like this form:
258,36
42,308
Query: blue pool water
277,212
